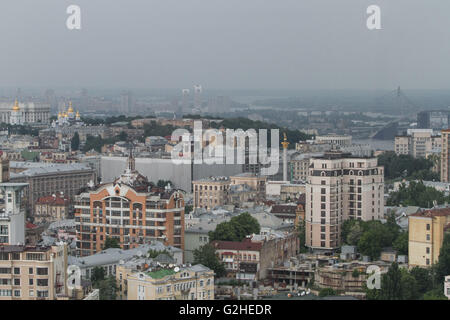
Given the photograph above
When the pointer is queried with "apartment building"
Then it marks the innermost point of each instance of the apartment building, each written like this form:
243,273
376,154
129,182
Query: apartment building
211,192
341,187
426,235
299,165
251,258
254,181
33,273
130,210
417,143
445,156
51,208
4,169
185,283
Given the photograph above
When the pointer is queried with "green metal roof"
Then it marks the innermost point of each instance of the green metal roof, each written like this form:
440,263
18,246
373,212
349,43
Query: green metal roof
161,273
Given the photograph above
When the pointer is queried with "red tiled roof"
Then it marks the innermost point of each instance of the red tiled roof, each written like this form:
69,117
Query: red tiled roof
52,200
283,209
29,225
432,213
246,244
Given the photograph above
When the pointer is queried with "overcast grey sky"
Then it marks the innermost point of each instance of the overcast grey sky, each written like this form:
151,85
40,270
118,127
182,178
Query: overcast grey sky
226,44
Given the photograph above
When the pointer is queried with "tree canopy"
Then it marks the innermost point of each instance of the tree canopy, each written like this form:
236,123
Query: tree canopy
236,229
416,194
206,255
406,166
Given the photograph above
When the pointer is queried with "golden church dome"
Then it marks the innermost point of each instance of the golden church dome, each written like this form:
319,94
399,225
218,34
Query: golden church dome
16,106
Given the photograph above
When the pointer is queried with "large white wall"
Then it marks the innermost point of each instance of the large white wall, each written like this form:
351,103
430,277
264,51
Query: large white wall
165,169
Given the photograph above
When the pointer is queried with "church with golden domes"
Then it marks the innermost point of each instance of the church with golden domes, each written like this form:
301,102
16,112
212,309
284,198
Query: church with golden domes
67,117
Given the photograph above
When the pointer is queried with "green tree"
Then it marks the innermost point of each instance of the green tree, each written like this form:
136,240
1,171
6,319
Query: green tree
75,142
301,229
354,234
327,292
111,243
391,284
401,243
423,279
443,264
236,229
98,274
206,255
107,288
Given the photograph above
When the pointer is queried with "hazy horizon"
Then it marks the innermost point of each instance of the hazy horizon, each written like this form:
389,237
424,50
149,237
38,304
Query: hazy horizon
226,45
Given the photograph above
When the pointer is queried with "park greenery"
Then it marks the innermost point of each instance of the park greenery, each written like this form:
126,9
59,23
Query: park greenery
107,285
417,283
111,243
371,237
206,255
236,229
416,194
406,167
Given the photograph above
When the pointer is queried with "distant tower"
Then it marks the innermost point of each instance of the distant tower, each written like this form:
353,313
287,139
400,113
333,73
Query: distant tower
285,145
185,98
126,102
198,96
12,220
16,114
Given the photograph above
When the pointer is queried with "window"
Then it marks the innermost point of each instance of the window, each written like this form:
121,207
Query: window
428,226
428,250
42,271
16,270
30,282
30,270
42,282
428,236
16,293
17,282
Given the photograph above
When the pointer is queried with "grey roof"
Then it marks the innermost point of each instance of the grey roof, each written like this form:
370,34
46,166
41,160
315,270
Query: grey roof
40,168
67,223
115,255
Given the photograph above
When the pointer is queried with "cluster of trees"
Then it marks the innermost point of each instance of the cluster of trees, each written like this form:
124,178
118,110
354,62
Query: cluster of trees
206,255
111,120
236,229
417,283
371,237
163,183
111,243
416,194
156,129
97,142
406,166
107,285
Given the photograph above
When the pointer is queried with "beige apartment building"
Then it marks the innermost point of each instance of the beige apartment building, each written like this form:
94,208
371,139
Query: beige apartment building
445,174
254,181
33,273
185,283
51,208
418,143
341,187
211,192
426,235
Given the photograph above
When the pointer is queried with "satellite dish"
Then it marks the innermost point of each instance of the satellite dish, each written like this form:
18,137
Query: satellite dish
176,269
170,265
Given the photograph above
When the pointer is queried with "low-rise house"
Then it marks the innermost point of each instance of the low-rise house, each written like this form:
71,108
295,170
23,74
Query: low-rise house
110,258
172,283
51,208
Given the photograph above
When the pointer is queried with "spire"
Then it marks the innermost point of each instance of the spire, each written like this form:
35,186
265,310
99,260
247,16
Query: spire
131,163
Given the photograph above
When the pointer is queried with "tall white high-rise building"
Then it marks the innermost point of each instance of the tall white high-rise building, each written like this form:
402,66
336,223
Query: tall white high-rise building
12,218
198,96
341,187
